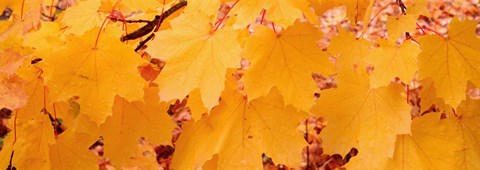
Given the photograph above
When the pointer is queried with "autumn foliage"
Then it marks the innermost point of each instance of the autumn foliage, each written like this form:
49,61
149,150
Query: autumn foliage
239,84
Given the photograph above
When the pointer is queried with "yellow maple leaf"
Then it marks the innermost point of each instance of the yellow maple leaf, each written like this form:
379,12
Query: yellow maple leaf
350,50
94,73
429,146
451,61
417,7
211,164
392,60
208,8
196,56
12,54
71,151
449,143
135,5
145,157
131,121
31,125
45,39
287,61
357,10
240,131
28,154
27,5
12,95
194,102
82,17
428,97
361,117
398,25
281,12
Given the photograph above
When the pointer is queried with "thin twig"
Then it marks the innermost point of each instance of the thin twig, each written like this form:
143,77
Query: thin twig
131,21
152,24
143,42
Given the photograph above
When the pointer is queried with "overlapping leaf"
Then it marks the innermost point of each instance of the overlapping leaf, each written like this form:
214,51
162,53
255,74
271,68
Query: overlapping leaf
452,61
351,50
134,120
94,73
281,12
286,61
397,26
82,17
449,143
362,117
197,56
391,60
357,10
32,124
240,131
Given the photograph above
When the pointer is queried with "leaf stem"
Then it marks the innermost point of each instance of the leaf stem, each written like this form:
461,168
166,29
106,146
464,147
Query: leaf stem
51,9
420,28
423,28
45,98
408,93
21,11
15,127
306,138
263,16
99,31
375,16
273,27
161,17
225,16
56,122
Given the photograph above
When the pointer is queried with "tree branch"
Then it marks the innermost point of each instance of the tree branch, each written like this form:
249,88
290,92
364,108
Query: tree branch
152,24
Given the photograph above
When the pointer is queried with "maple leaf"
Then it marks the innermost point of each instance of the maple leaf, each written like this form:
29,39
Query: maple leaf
429,146
418,7
240,131
364,118
398,25
391,60
357,10
12,95
466,134
12,55
351,50
25,14
197,109
197,56
31,125
449,143
428,96
451,61
45,39
144,5
131,121
28,154
287,61
281,12
207,8
71,151
94,73
145,157
82,17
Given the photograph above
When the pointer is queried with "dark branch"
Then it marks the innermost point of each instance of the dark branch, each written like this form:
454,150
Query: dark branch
402,6
152,24
133,21
6,14
142,43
